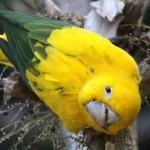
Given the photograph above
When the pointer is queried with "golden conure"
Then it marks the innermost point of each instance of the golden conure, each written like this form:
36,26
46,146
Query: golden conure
85,79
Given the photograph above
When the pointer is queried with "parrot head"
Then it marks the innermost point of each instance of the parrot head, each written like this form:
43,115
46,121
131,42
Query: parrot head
109,103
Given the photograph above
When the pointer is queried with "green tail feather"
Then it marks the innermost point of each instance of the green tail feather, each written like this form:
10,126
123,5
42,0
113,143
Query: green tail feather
23,31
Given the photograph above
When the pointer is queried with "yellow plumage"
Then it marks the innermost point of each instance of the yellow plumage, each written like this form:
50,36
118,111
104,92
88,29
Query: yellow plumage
3,58
78,68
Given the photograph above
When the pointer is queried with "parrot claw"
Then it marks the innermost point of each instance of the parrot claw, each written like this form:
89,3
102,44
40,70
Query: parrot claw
102,114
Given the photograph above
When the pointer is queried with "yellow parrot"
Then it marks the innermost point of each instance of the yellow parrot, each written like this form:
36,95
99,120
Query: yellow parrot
85,79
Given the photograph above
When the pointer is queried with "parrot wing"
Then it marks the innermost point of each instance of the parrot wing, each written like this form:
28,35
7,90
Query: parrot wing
23,31
29,37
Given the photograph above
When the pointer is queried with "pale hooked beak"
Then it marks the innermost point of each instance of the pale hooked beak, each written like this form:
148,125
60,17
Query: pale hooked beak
102,114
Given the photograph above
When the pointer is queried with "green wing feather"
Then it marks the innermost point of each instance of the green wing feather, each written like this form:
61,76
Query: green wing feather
23,31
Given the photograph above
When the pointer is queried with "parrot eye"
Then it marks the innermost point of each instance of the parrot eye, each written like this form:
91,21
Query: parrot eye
108,92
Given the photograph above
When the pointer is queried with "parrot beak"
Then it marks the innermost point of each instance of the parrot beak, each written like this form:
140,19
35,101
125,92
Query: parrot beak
102,114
